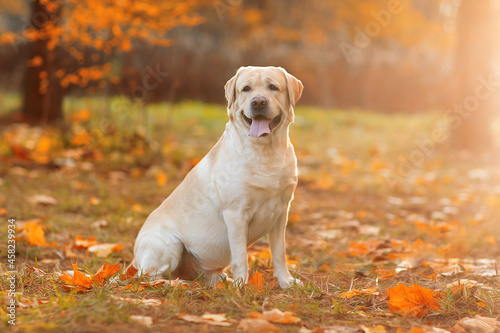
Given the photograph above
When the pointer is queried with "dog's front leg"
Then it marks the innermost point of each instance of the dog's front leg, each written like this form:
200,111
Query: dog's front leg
237,233
278,251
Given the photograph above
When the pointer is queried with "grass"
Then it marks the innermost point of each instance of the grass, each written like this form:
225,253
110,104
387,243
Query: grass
350,228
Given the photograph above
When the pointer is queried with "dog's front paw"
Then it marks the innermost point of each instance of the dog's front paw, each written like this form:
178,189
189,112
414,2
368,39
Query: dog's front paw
289,282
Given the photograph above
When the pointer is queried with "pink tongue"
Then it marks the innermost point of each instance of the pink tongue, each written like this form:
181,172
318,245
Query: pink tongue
259,127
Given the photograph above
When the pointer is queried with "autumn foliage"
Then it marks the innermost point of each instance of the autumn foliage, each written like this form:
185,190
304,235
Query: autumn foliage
412,301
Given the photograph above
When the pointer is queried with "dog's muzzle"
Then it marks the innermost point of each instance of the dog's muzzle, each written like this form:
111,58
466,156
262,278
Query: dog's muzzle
261,121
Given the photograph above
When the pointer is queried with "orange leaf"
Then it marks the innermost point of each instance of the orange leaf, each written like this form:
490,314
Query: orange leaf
80,116
255,315
84,243
276,316
257,281
130,272
413,330
412,301
35,61
357,249
257,326
354,292
79,281
33,233
69,253
433,276
94,201
161,178
105,272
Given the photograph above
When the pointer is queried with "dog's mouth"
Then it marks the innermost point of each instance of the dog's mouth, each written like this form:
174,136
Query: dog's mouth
261,126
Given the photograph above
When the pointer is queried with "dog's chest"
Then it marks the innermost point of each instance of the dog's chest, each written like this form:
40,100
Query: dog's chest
268,202
264,214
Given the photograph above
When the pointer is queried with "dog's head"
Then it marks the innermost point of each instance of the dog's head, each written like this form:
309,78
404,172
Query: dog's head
261,99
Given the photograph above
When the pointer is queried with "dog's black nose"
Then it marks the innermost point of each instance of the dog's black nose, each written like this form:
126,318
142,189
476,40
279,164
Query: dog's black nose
259,103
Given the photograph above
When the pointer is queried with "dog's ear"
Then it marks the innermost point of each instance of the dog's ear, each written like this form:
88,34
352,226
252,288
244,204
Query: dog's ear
230,88
294,87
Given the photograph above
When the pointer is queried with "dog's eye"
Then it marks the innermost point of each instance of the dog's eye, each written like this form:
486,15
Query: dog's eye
273,87
247,88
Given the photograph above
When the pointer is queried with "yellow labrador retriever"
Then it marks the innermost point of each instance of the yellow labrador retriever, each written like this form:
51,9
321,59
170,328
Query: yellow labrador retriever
239,192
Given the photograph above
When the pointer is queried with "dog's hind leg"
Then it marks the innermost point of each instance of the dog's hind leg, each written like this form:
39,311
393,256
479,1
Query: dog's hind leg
157,254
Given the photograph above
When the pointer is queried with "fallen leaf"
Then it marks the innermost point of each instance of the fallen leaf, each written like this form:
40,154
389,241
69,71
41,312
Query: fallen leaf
257,281
135,301
79,281
94,201
37,271
160,282
257,326
161,178
105,272
279,317
356,292
130,272
83,282
104,250
142,320
218,317
41,199
3,211
477,324
32,232
375,329
99,224
432,276
68,253
412,301
413,330
200,320
255,315
84,243
461,283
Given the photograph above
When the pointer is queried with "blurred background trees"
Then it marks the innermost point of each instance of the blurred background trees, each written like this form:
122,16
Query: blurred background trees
384,55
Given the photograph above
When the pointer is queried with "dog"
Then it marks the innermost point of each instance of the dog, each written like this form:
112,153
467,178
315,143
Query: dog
239,192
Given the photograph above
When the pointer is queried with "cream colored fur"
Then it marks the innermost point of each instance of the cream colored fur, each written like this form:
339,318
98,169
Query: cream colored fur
239,192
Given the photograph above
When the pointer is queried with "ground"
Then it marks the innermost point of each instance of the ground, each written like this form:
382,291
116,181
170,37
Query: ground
379,205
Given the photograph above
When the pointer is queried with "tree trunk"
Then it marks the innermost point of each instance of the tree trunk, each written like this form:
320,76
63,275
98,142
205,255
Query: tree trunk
43,94
473,109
